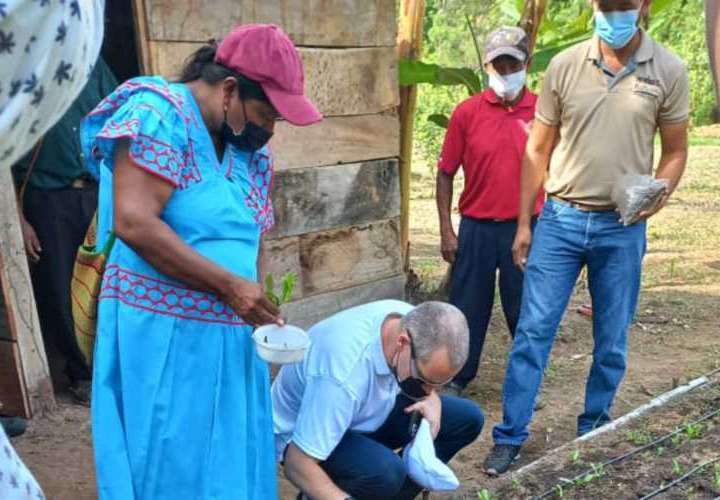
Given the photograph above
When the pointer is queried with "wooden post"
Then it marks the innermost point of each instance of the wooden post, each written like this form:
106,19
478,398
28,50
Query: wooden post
23,319
410,34
712,36
531,19
141,38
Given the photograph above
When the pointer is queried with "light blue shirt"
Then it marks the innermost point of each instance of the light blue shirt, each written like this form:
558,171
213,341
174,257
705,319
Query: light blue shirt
344,383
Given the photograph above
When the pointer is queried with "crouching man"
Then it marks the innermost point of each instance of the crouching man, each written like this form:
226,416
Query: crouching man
341,414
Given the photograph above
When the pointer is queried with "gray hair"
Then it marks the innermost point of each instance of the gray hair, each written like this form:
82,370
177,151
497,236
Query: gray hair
436,325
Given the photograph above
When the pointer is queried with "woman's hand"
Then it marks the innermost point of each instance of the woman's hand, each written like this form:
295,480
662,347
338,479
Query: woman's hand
248,300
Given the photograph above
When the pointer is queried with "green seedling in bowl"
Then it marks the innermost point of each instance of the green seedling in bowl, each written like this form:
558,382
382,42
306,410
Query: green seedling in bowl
288,285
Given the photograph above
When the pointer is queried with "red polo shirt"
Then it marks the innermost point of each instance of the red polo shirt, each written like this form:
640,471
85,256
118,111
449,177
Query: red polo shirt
489,140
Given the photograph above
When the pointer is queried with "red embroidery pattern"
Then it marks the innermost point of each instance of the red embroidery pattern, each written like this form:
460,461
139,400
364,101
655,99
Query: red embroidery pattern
161,297
149,153
258,200
158,157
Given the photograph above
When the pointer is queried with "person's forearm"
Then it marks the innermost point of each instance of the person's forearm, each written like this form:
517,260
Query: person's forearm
671,167
534,165
158,244
443,198
307,475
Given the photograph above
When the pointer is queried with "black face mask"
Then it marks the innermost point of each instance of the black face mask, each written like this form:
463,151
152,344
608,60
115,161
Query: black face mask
411,387
250,139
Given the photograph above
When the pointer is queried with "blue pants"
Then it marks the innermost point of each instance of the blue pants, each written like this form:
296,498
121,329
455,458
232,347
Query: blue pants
564,241
366,465
484,248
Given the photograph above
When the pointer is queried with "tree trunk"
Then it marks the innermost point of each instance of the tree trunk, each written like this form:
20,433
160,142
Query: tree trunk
531,19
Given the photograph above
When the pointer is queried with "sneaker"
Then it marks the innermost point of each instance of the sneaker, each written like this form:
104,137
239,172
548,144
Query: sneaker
81,392
540,402
13,426
453,389
500,459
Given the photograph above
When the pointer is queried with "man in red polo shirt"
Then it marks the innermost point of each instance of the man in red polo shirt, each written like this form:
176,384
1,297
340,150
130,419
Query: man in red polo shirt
486,135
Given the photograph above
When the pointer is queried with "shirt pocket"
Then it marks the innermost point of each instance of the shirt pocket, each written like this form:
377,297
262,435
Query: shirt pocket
645,98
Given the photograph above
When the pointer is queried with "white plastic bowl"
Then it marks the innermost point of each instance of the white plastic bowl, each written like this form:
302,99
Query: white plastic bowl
281,345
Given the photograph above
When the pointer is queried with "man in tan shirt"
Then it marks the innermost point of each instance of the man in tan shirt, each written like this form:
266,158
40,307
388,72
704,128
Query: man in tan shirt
600,106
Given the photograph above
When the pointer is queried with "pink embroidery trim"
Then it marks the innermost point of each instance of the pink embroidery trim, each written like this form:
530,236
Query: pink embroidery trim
162,297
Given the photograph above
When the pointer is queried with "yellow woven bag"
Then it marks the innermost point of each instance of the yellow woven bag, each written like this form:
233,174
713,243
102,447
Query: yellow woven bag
85,288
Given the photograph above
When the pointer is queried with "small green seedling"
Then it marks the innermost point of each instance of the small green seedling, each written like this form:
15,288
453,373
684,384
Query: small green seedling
693,431
484,495
288,285
717,475
575,456
676,467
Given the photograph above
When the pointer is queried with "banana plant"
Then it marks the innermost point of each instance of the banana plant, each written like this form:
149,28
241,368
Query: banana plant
549,35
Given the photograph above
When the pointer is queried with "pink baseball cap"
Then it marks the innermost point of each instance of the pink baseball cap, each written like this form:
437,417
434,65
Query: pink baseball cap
265,54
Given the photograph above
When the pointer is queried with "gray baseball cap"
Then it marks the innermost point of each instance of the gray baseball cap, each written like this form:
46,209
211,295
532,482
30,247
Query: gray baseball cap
506,41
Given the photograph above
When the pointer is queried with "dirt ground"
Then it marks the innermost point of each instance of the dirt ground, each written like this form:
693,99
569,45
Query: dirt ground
676,337
641,473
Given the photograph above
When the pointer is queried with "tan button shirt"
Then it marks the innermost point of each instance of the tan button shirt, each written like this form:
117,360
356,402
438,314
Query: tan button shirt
607,130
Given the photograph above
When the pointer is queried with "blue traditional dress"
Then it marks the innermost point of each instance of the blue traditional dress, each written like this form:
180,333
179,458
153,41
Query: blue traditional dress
181,400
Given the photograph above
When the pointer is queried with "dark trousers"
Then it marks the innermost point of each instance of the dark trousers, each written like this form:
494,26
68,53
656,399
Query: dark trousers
60,219
366,465
484,248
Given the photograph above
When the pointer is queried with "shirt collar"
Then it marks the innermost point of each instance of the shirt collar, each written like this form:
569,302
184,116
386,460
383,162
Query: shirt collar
378,355
525,101
644,52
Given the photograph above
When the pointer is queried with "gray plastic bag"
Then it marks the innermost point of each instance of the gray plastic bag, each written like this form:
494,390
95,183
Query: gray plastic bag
633,194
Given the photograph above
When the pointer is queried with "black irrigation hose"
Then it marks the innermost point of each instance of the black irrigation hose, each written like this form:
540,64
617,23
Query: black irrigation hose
629,454
682,478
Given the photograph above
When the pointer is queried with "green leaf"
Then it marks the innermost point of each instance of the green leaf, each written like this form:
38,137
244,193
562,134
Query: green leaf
413,72
270,290
269,283
658,6
512,10
439,120
288,285
542,56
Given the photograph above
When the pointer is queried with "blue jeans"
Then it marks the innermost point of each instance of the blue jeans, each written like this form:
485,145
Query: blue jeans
366,465
565,240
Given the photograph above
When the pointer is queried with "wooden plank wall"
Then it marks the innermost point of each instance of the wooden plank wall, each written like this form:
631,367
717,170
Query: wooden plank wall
27,349
336,196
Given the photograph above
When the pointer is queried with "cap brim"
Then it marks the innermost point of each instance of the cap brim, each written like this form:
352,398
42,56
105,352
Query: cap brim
296,109
505,51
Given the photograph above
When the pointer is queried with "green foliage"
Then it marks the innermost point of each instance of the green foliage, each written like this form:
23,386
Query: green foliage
693,431
484,495
676,467
682,30
451,53
288,285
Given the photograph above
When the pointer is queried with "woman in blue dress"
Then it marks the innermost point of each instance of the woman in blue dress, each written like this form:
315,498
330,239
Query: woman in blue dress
181,400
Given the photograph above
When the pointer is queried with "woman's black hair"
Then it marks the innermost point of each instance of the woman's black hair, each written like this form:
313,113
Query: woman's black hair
201,65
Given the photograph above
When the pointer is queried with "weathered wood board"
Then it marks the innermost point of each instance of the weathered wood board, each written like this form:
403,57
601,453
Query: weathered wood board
308,311
338,81
17,291
12,392
330,260
315,199
347,139
338,23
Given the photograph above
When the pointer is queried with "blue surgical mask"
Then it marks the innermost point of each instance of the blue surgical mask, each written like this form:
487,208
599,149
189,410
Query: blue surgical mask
616,28
508,87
